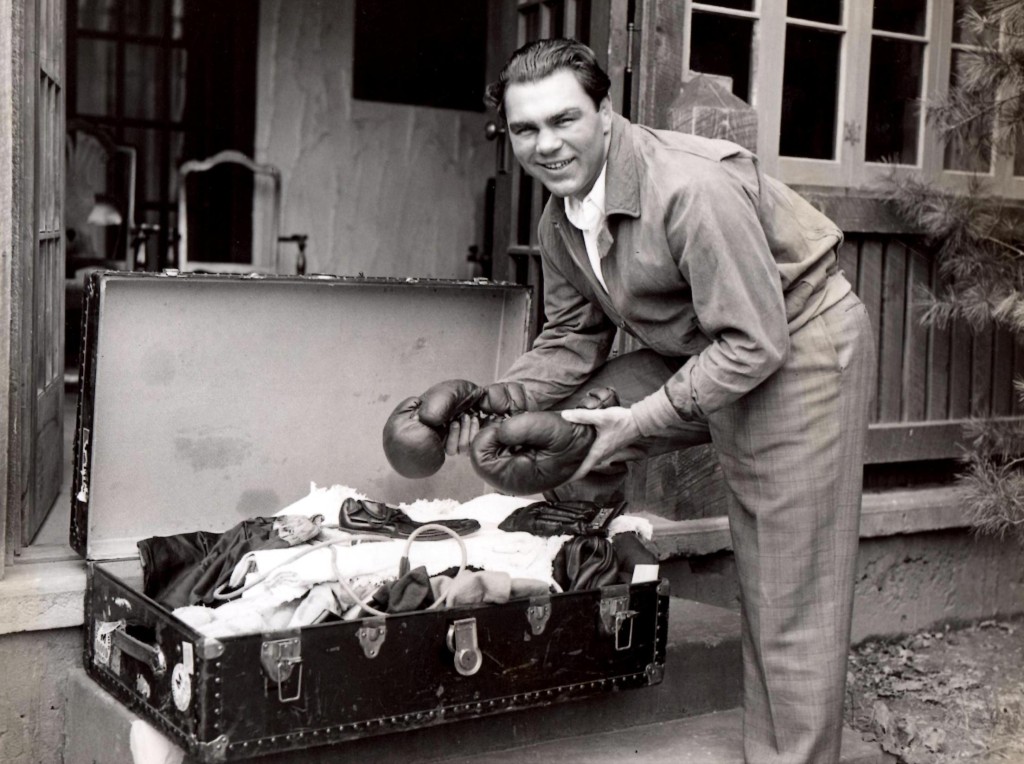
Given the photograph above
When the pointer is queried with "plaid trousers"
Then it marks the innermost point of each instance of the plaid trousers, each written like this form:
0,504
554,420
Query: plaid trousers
791,452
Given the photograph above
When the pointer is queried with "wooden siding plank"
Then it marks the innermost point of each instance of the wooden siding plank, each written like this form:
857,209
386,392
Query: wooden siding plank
890,358
916,380
938,361
1002,373
981,373
960,371
849,257
910,442
869,283
1018,374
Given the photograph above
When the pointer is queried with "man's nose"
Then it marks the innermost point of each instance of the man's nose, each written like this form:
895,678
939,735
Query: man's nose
548,141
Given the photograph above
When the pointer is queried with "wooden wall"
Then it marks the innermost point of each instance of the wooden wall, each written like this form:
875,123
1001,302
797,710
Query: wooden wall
380,189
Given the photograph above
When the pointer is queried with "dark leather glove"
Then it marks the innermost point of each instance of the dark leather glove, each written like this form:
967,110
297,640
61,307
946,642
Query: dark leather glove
535,451
415,433
546,518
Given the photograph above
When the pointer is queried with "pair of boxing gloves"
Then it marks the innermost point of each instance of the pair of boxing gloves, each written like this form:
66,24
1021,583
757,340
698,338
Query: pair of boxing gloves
519,452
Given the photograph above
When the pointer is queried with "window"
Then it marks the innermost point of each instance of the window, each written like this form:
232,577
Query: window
838,86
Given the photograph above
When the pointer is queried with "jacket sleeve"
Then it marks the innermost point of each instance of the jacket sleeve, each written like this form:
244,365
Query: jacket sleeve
575,340
715,235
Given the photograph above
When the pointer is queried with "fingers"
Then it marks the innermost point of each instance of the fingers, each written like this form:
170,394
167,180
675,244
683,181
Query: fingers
583,416
461,432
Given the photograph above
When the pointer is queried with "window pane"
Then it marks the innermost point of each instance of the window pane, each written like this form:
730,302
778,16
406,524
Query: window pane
147,165
95,94
97,15
529,23
966,153
142,82
721,45
906,16
556,18
178,19
893,101
739,5
810,93
990,35
583,21
179,60
825,11
145,17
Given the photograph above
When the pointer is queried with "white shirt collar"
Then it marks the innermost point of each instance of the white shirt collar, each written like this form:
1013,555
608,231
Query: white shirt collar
589,213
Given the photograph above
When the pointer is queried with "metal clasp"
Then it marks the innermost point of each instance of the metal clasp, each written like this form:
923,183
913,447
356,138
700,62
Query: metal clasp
538,613
615,613
462,641
371,636
279,658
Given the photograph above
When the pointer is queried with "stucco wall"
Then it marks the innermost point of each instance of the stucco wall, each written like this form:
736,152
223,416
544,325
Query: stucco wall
381,189
905,582
34,668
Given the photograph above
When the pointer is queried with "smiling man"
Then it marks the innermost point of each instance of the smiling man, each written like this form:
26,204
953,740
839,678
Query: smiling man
752,339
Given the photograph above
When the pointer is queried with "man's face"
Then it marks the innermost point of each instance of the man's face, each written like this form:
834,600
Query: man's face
558,135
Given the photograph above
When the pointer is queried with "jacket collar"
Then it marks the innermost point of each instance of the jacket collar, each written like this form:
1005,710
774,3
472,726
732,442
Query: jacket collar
622,189
622,180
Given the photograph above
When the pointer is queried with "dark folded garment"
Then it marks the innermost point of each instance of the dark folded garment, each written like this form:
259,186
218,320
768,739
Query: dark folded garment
573,518
185,569
585,562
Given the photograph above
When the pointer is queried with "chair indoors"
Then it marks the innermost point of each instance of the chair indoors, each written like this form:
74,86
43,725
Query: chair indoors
205,241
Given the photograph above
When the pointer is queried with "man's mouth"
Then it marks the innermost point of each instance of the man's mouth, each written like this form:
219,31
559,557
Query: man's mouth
555,166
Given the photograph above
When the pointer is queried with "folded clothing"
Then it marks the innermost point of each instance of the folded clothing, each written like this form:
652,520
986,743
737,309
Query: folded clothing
186,568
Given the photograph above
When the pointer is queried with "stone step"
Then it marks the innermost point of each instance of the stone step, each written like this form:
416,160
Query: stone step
703,674
715,738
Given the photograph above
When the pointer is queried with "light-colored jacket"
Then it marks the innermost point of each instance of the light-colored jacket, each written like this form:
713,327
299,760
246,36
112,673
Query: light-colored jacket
703,255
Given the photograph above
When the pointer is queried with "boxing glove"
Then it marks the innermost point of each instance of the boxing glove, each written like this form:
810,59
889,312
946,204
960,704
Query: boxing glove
415,433
504,398
536,451
530,452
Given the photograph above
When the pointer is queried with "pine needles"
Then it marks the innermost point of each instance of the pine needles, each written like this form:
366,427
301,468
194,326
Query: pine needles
979,242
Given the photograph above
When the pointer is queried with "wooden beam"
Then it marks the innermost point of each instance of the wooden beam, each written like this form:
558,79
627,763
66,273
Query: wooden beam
919,441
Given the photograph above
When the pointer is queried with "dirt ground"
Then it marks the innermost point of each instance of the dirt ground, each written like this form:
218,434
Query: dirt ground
942,696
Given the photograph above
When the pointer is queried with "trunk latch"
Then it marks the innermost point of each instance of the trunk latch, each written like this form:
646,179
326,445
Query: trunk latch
616,615
462,641
279,658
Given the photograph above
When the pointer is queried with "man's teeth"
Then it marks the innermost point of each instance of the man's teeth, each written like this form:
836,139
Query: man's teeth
557,165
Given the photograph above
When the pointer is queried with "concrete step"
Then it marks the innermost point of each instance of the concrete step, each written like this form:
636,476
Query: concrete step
703,674
715,738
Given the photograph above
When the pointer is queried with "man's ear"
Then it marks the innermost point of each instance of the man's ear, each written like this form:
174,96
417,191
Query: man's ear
605,110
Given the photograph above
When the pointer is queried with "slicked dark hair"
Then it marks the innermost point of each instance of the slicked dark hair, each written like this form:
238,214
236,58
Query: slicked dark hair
537,60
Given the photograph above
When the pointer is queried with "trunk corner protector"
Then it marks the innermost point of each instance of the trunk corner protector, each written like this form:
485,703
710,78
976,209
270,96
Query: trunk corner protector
655,673
215,750
210,648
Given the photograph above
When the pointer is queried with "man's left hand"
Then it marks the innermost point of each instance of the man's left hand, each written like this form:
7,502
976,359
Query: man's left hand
616,431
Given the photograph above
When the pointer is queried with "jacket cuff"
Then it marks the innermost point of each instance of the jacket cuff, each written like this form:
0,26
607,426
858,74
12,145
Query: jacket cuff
655,414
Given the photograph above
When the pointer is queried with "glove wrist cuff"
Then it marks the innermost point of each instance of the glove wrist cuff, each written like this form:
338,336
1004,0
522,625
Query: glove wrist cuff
655,413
